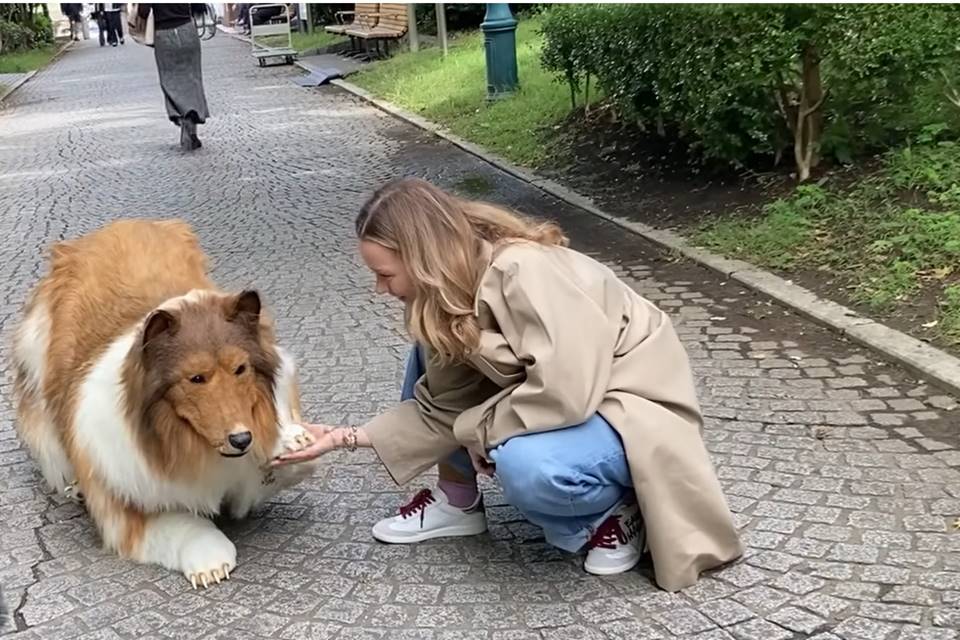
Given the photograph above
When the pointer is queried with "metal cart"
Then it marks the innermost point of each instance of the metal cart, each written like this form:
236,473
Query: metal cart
278,25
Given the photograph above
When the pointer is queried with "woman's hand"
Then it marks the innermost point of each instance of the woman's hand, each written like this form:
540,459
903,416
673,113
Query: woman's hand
480,463
326,439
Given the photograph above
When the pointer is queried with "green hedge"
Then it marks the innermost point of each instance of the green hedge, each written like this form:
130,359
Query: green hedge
736,81
15,37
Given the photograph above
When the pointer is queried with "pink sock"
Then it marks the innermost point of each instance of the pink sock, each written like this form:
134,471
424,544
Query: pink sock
459,494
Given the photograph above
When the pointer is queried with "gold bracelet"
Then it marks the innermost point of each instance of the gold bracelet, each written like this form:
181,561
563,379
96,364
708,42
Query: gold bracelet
350,440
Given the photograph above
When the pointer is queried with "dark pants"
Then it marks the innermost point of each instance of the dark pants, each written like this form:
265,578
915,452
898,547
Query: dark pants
114,27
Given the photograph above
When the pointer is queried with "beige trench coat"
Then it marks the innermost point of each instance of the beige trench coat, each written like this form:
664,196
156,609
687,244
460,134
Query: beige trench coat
564,338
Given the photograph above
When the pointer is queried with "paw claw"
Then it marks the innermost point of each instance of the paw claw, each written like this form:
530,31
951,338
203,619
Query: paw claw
203,579
226,571
193,580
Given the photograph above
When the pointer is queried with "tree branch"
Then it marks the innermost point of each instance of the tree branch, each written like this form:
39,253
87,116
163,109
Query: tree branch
813,109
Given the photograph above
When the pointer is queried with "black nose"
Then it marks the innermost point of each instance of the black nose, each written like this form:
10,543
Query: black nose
240,441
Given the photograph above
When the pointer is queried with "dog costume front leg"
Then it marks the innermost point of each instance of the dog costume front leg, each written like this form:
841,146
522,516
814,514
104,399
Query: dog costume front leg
176,540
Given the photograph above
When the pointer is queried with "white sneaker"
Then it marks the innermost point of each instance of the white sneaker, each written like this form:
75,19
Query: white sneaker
617,543
429,515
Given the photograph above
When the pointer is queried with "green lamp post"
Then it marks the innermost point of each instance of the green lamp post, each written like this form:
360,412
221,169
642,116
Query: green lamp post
500,46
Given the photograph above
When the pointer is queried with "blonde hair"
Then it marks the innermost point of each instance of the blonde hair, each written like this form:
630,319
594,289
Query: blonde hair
440,239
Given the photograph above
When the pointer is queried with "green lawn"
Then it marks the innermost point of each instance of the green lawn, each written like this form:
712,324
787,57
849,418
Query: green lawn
303,41
890,236
451,91
23,61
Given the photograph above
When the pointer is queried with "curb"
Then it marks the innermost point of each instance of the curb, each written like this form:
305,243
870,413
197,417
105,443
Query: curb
22,81
917,356
16,85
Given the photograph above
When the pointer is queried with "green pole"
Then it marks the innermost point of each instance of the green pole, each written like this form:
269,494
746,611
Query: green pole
500,46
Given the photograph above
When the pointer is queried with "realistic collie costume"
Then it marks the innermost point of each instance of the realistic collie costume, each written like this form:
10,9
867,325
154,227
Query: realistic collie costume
157,397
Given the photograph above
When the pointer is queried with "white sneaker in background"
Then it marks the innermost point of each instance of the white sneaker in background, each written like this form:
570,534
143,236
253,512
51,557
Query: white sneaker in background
617,544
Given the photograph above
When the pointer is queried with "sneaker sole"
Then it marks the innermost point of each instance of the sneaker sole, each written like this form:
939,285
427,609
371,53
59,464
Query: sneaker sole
611,571
446,532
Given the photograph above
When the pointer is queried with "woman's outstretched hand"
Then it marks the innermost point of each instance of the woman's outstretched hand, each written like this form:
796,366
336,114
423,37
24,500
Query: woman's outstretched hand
325,440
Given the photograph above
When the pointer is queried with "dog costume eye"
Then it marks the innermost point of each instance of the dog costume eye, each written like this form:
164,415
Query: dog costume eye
241,369
198,379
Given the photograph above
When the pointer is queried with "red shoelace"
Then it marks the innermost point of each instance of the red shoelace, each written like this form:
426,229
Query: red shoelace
418,504
608,535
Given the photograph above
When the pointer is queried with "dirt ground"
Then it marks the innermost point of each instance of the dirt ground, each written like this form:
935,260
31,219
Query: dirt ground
639,176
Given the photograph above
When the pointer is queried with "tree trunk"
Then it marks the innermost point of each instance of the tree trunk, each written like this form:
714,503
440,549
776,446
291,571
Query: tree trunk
586,96
950,91
573,91
813,87
804,117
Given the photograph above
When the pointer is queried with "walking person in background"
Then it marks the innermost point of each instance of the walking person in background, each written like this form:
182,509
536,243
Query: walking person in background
101,18
111,19
177,51
72,11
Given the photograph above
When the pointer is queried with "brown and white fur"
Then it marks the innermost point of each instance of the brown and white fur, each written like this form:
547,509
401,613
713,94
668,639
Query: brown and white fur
159,396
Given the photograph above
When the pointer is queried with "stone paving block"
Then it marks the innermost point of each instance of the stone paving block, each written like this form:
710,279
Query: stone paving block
630,629
892,612
725,612
797,620
927,633
684,621
758,629
863,628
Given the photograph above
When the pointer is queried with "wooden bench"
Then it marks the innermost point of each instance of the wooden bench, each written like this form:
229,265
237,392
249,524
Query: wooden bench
364,17
391,26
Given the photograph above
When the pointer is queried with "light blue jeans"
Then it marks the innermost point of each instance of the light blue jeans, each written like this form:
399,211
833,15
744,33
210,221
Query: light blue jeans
566,481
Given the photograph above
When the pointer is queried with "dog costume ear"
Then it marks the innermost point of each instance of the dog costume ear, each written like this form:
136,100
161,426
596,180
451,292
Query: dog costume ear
244,309
159,323
248,302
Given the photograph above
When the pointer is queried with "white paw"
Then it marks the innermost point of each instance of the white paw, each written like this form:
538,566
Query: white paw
208,558
293,438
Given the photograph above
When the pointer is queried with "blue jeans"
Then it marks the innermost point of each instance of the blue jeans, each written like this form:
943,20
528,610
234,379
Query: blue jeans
565,481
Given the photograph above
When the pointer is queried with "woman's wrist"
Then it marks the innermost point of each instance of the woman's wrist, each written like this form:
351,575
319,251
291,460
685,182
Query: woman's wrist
350,438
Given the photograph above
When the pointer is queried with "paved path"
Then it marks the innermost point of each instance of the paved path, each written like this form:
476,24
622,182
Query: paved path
844,473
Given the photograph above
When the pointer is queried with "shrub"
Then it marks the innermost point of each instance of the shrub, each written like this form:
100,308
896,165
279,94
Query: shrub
16,37
42,30
740,80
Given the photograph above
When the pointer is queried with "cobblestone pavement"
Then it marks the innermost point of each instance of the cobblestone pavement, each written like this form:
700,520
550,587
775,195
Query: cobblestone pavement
844,473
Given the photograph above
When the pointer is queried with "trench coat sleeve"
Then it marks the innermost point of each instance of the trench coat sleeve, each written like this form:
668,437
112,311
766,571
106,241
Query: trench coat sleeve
408,441
418,433
564,338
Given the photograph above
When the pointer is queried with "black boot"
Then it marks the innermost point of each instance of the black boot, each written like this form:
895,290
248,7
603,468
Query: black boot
188,135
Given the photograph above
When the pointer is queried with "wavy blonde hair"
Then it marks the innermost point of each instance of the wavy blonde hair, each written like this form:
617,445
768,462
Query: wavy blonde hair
440,239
